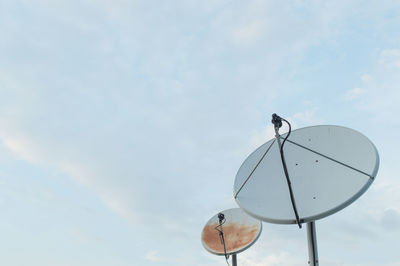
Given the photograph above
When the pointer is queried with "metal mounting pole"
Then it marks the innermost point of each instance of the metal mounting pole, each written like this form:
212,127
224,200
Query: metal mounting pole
234,260
312,244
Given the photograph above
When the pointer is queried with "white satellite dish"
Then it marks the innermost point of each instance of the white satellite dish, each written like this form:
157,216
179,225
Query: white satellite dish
329,168
230,232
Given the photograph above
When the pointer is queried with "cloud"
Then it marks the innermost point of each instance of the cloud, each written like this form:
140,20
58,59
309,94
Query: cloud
85,237
391,220
281,258
122,207
355,93
53,155
305,118
365,78
250,32
152,256
378,86
390,58
22,148
259,138
28,150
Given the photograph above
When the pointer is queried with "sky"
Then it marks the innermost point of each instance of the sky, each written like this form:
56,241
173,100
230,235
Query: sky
123,124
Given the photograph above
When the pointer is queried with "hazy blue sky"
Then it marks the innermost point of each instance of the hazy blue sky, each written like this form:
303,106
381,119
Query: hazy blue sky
123,123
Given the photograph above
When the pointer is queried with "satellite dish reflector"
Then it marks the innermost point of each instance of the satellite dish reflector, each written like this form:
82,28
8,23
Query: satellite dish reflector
239,229
329,167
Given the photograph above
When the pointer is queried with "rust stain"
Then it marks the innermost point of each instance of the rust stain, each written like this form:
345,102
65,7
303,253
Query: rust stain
236,236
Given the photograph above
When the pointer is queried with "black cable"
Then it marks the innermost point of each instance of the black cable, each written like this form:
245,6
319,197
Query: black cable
287,136
287,173
227,262
223,243
221,235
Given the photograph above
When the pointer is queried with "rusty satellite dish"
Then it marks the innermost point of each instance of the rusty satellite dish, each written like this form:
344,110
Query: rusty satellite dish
240,231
